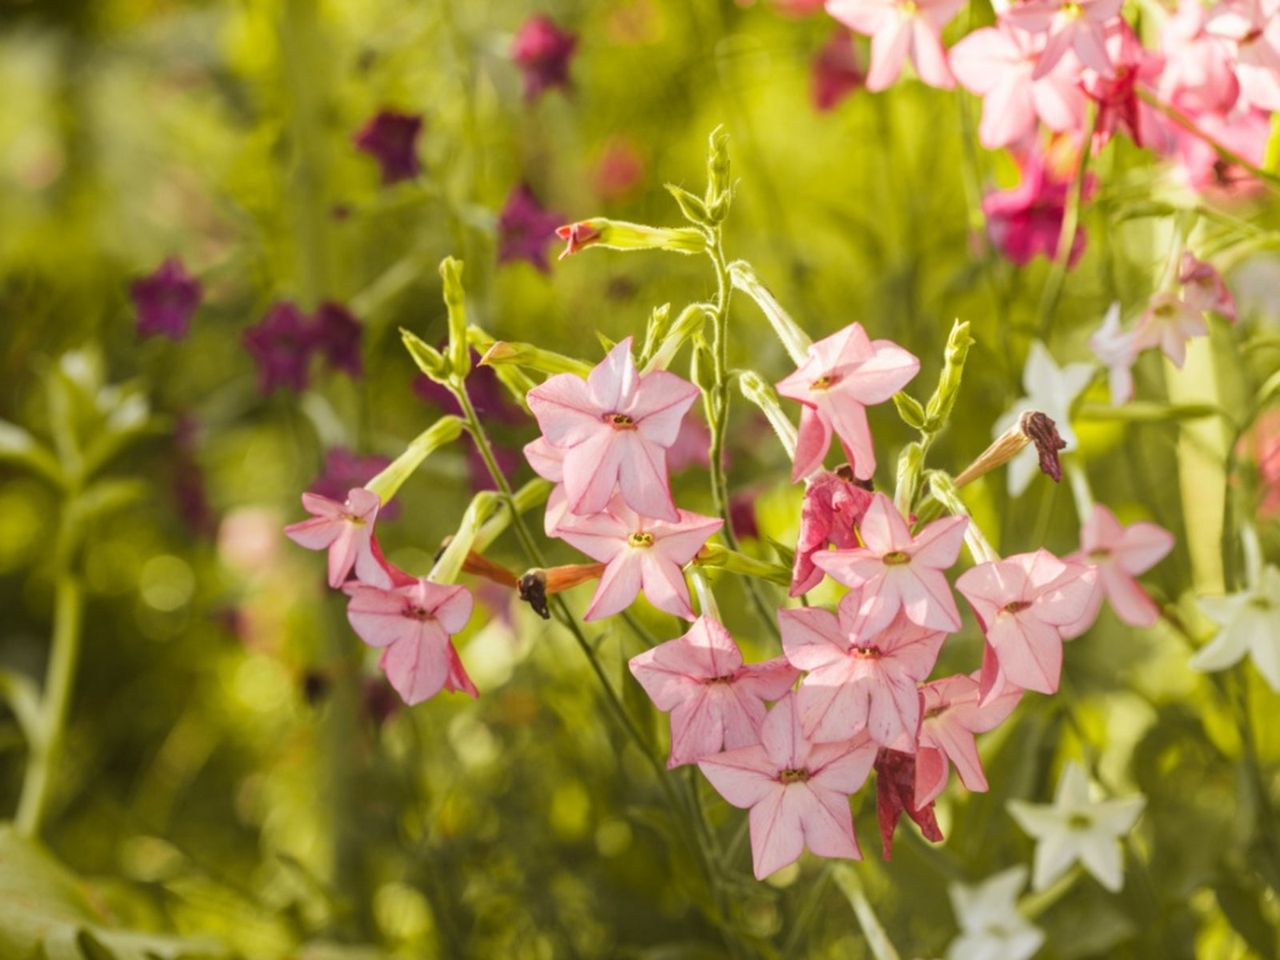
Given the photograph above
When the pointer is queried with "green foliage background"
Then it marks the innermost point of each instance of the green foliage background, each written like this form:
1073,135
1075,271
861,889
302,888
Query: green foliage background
203,793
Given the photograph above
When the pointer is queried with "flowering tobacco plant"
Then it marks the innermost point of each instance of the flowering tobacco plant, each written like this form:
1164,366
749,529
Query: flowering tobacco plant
854,690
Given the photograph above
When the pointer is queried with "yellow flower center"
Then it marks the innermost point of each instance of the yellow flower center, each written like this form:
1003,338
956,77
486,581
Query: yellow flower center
640,539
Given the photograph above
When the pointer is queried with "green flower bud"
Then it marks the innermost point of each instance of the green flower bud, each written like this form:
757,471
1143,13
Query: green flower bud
429,360
387,483
455,303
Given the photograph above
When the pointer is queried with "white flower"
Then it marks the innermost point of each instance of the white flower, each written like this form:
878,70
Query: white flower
1075,827
990,926
1114,349
1052,390
1250,623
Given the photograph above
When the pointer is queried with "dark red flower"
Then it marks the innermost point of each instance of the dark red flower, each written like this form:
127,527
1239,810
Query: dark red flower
335,334
391,138
837,71
543,51
525,228
165,300
895,795
343,470
281,346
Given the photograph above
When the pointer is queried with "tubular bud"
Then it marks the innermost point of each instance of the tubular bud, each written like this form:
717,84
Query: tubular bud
794,340
719,187
450,562
388,482
686,325
504,352
455,303
532,494
943,400
429,360
762,394
620,235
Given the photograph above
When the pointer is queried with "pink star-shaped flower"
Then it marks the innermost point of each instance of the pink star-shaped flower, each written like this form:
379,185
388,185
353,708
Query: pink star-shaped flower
1027,605
1071,25
1204,288
1168,323
548,463
842,376
1119,554
901,30
344,529
640,553
614,428
1254,28
412,622
716,701
832,508
797,791
896,571
858,680
952,715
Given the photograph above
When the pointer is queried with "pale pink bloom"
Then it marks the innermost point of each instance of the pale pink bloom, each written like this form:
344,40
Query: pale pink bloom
1119,554
1204,288
901,30
344,529
1071,25
1026,605
843,375
1254,27
858,680
614,427
1244,131
691,447
716,701
1168,323
641,554
952,715
1198,73
412,623
997,63
797,791
1114,349
1026,221
896,571
832,509
548,463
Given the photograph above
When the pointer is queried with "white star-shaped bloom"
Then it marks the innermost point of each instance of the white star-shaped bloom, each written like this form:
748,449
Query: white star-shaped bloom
1052,390
1076,827
1249,622
991,928
1113,346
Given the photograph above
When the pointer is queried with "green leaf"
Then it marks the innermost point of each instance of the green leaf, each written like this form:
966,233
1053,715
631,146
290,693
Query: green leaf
1245,915
694,210
20,448
1140,411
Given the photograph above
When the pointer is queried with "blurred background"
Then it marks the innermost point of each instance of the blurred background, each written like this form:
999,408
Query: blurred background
236,778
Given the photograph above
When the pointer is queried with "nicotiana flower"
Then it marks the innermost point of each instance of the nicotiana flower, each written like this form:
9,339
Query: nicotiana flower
836,72
1071,25
991,928
1052,390
833,507
896,571
901,30
1077,828
335,335
797,791
1119,554
391,138
1204,288
542,51
620,169
165,300
281,347
843,375
1026,605
1249,622
548,463
343,469
895,795
716,701
1198,74
412,623
1026,221
640,553
1115,350
858,680
345,530
525,228
615,428
952,715
1168,323
1116,93
1253,27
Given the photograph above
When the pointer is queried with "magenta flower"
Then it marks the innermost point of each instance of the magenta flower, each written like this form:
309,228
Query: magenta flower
281,346
896,571
1071,25
165,300
344,469
1119,554
1117,92
525,228
716,701
895,795
615,428
1026,605
640,554
997,63
858,680
901,30
952,715
1026,220
542,51
335,335
836,72
1204,288
843,375
832,509
345,530
412,623
391,138
797,791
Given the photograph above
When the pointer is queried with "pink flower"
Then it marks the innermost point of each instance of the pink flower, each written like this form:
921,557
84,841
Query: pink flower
1115,350
1244,131
952,715
1026,605
1254,28
836,72
832,508
1071,25
344,529
640,554
548,463
997,63
412,622
901,30
543,51
896,571
895,795
797,791
715,700
843,375
615,428
1198,73
1116,91
858,680
1026,221
620,170
1168,323
1119,554
1204,288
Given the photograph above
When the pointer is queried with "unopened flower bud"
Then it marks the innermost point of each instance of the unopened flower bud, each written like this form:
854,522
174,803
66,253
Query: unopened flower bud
505,352
794,340
429,360
455,303
620,235
689,323
944,398
536,585
718,184
762,394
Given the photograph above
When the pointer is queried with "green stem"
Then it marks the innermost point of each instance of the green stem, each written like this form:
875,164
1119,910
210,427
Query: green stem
850,885
1226,153
1067,235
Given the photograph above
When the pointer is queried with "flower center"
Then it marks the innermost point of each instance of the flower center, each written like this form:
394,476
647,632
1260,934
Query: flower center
1016,607
1079,821
414,612
909,8
1260,603
827,380
793,776
1100,555
1166,311
640,539
619,421
1072,11
870,652
896,558
727,678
